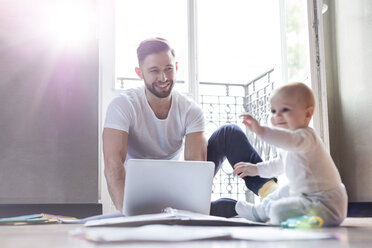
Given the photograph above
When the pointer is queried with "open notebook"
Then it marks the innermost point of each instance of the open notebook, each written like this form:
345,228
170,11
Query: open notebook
172,216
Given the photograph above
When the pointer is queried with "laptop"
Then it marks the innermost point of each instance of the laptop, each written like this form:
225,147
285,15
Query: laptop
153,185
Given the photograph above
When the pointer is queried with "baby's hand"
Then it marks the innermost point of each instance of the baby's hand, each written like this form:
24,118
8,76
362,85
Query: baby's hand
245,169
252,124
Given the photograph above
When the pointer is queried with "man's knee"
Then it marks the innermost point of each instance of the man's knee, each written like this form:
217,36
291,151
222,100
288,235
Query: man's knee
231,129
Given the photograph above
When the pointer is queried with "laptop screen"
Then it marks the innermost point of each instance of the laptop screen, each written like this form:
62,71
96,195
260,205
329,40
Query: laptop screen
153,185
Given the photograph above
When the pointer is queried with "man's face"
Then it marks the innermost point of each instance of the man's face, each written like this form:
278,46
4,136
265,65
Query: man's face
158,73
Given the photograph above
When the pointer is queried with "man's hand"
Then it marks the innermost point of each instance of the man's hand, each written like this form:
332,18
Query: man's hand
245,169
252,124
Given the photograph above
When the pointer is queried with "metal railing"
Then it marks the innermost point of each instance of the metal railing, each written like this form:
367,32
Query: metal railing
222,103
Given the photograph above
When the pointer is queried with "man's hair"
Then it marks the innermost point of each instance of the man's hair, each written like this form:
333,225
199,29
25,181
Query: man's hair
299,88
151,46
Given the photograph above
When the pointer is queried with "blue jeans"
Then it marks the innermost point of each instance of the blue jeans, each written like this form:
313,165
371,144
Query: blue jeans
230,142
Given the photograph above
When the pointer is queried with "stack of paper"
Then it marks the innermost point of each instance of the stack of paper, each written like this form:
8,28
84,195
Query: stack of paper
34,219
178,225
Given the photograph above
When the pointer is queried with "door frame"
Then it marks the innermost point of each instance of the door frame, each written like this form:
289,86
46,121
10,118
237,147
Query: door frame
317,68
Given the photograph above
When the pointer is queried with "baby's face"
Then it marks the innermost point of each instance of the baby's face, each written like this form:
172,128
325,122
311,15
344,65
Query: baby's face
288,111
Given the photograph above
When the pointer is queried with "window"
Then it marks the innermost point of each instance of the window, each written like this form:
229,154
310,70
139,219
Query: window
223,44
142,19
238,41
297,40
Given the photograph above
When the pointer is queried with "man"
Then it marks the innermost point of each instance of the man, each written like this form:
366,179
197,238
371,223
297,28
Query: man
152,121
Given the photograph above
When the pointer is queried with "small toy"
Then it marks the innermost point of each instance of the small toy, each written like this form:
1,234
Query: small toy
305,222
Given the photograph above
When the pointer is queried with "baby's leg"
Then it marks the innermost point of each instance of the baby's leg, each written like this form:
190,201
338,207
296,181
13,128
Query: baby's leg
330,205
263,209
289,207
260,212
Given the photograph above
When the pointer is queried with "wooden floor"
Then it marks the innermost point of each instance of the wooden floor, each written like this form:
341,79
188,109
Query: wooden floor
354,232
357,222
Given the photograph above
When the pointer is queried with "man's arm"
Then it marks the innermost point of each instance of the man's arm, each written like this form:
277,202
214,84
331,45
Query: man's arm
195,147
114,151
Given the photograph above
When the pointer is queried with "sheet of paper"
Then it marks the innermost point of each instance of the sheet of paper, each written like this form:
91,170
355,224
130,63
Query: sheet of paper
129,219
189,233
278,234
91,218
150,233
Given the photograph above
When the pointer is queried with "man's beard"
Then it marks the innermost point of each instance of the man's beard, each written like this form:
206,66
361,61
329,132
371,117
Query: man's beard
162,94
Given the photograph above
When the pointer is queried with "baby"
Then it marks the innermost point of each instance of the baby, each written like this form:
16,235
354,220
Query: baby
314,184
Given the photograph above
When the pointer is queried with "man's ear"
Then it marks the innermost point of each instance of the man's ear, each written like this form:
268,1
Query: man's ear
138,72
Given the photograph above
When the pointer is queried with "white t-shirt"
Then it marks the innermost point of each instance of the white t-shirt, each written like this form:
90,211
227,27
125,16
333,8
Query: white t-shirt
308,166
148,136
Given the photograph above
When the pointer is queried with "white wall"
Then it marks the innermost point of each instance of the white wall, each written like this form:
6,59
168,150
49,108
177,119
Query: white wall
348,31
107,80
48,111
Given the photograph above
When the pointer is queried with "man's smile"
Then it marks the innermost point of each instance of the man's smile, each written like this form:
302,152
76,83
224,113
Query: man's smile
162,85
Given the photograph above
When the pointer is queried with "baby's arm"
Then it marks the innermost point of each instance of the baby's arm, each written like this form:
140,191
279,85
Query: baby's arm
299,140
252,124
271,168
267,169
245,169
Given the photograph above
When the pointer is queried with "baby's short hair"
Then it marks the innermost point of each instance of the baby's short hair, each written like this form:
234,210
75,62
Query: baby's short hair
297,88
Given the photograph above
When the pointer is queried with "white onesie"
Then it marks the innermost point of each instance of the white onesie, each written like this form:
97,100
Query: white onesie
306,163
314,184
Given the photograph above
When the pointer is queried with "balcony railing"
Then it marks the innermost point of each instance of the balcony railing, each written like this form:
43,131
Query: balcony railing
222,103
